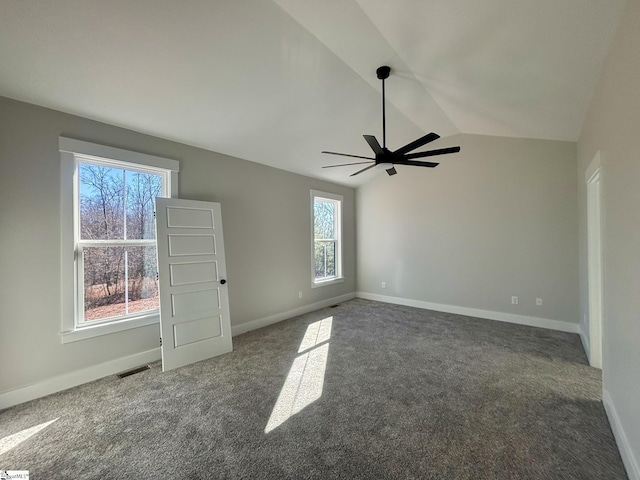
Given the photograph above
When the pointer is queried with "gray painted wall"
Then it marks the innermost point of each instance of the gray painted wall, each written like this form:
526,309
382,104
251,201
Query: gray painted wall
612,126
266,225
496,220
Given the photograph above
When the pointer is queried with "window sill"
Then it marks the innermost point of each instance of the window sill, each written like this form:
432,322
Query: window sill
91,331
329,281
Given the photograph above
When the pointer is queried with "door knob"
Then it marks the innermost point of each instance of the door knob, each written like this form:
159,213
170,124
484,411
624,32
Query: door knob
223,281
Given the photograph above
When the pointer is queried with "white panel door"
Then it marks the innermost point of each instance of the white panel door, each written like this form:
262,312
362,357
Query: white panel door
194,301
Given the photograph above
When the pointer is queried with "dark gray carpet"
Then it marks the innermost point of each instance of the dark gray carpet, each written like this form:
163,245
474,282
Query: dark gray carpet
407,393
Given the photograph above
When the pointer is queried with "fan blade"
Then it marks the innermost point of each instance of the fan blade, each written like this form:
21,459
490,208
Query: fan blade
431,153
391,171
364,169
347,155
347,164
415,164
373,143
430,137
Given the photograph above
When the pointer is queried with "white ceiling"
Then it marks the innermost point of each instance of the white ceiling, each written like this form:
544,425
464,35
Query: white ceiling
277,81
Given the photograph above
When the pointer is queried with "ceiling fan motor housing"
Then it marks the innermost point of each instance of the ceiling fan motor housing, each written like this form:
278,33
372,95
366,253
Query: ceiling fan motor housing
386,156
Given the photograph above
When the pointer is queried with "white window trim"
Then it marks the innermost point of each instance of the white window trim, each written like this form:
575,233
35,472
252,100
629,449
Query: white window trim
339,278
69,148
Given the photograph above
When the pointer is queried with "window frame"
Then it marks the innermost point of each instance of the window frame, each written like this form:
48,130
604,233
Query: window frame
73,152
338,200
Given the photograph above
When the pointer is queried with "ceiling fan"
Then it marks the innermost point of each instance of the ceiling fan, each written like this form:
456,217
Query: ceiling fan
384,158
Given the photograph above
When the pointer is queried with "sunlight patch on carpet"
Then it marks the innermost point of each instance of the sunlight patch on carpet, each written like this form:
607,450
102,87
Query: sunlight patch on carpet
305,380
11,441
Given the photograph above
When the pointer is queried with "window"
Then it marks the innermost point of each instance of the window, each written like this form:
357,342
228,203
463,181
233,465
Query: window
326,261
115,247
114,269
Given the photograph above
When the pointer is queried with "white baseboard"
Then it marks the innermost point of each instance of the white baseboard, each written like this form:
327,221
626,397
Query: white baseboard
630,462
585,344
476,312
278,317
75,378
89,374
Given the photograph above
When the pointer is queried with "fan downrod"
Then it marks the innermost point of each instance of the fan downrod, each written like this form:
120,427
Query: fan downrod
383,72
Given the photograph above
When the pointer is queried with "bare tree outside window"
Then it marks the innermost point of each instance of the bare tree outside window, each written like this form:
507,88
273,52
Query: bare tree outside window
325,238
117,240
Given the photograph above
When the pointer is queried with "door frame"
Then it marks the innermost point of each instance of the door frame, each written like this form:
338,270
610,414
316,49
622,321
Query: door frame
595,261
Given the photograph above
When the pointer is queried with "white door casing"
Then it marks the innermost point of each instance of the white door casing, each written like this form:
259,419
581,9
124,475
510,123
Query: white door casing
194,299
594,261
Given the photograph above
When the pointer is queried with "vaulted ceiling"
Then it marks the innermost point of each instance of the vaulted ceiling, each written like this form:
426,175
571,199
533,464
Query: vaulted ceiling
277,81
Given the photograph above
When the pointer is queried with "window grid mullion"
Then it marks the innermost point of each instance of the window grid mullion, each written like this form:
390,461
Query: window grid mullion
124,204
126,282
117,243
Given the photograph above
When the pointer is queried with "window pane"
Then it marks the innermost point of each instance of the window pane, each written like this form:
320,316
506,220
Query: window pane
108,293
101,202
325,259
142,189
104,282
323,219
143,284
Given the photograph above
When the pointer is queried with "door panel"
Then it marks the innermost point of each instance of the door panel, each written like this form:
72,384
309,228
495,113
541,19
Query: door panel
184,217
194,300
192,245
192,273
187,303
196,330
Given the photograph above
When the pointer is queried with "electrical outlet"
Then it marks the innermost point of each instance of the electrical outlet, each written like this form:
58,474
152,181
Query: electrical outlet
514,300
299,294
538,301
384,284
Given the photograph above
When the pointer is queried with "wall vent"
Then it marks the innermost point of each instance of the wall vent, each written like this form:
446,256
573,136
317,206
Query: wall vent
134,371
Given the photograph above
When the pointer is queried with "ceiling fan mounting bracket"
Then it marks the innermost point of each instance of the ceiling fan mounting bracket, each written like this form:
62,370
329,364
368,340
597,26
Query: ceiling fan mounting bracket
383,72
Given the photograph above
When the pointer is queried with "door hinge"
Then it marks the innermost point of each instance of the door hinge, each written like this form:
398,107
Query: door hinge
160,341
